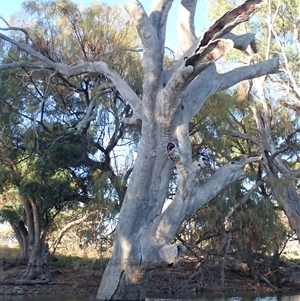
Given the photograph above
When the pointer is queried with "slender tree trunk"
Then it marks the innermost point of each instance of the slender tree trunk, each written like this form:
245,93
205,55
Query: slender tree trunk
22,237
286,193
37,270
275,267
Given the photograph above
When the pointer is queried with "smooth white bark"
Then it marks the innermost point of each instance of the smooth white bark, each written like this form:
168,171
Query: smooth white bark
186,24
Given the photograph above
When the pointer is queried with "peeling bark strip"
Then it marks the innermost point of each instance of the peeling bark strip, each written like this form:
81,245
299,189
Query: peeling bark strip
230,20
209,54
226,23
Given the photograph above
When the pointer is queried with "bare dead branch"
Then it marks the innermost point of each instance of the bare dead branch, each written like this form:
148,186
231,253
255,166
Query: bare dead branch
246,137
230,20
242,202
37,66
14,28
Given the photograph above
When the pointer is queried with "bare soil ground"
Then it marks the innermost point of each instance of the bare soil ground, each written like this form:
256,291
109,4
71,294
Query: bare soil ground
188,276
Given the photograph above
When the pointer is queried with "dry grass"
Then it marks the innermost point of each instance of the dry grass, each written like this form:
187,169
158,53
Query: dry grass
9,252
76,260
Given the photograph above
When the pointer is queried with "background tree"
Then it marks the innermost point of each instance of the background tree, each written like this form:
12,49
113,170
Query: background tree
221,136
35,188
242,229
169,100
57,159
240,223
274,102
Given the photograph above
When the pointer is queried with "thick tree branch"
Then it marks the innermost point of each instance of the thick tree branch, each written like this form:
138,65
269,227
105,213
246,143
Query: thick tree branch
223,26
221,29
158,17
185,24
230,78
88,117
210,82
242,42
209,50
153,51
286,194
227,174
164,227
186,74
29,65
185,168
145,28
9,28
28,50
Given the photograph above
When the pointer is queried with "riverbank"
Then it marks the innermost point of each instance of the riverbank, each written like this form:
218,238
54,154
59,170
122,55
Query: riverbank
188,276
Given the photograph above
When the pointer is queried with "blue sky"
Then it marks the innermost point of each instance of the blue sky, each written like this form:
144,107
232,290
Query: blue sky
9,7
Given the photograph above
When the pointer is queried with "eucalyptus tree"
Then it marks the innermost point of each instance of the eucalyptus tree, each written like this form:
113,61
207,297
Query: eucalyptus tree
167,102
240,222
279,133
274,103
10,150
35,186
54,157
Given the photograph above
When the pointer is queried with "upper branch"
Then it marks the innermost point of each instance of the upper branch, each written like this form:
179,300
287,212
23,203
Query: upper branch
167,224
153,50
241,42
224,25
210,82
209,48
101,67
230,20
184,75
144,26
221,28
158,17
185,25
22,64
17,29
236,75
247,137
28,50
81,68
